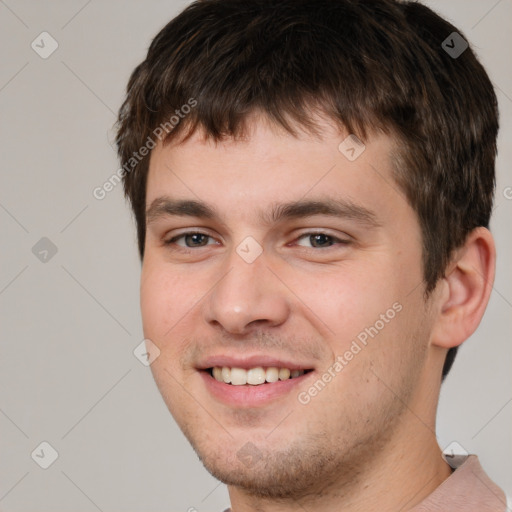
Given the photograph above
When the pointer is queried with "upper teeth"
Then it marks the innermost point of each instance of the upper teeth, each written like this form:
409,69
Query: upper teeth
254,376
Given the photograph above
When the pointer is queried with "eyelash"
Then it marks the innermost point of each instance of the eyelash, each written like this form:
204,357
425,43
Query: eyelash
303,235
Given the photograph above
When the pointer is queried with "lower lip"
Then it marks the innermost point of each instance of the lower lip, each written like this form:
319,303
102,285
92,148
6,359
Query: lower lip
248,395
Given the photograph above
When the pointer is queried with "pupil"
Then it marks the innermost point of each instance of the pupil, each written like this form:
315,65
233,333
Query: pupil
319,236
195,238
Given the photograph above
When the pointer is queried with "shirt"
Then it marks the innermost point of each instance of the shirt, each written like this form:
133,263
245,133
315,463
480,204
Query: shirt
467,489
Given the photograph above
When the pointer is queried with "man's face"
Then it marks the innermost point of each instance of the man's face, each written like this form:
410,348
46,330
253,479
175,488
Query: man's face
273,289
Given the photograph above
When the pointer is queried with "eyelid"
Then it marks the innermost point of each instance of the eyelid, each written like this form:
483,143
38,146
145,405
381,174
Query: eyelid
337,240
175,237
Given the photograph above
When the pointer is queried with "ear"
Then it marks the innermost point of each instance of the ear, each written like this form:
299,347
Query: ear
465,290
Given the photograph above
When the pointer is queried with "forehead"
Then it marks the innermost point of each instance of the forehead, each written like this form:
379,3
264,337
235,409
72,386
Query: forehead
266,156
269,174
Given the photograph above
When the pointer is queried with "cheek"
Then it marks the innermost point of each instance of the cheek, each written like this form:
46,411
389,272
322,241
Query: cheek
349,300
164,299
152,300
165,302
373,320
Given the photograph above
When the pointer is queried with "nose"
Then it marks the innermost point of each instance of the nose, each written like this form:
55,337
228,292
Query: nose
249,296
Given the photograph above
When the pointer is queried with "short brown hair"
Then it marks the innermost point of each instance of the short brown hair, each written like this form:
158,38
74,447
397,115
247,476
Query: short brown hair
365,64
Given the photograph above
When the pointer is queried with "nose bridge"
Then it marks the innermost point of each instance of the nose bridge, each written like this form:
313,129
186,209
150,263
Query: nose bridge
247,293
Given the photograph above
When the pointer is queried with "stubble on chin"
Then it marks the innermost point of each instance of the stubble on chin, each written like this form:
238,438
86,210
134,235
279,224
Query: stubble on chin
305,468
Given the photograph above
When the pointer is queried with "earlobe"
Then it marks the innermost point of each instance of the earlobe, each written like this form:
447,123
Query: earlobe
465,290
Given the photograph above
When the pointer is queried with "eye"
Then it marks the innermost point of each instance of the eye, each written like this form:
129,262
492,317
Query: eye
319,240
196,239
191,239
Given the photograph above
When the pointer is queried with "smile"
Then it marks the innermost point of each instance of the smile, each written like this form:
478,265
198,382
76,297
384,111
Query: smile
253,376
253,386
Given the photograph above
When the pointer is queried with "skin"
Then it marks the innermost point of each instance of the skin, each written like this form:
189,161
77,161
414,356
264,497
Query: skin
356,444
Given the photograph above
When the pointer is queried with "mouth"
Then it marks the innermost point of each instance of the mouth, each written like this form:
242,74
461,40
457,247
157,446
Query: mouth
257,376
253,380
254,386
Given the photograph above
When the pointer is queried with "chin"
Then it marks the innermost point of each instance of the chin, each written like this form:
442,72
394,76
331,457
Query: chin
284,473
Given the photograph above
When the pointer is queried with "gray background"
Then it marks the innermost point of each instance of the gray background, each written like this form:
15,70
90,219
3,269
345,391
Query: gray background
69,325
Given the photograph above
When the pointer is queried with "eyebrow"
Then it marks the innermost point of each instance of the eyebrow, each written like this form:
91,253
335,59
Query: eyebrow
166,207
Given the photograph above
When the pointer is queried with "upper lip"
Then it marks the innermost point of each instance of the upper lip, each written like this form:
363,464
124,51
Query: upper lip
251,361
